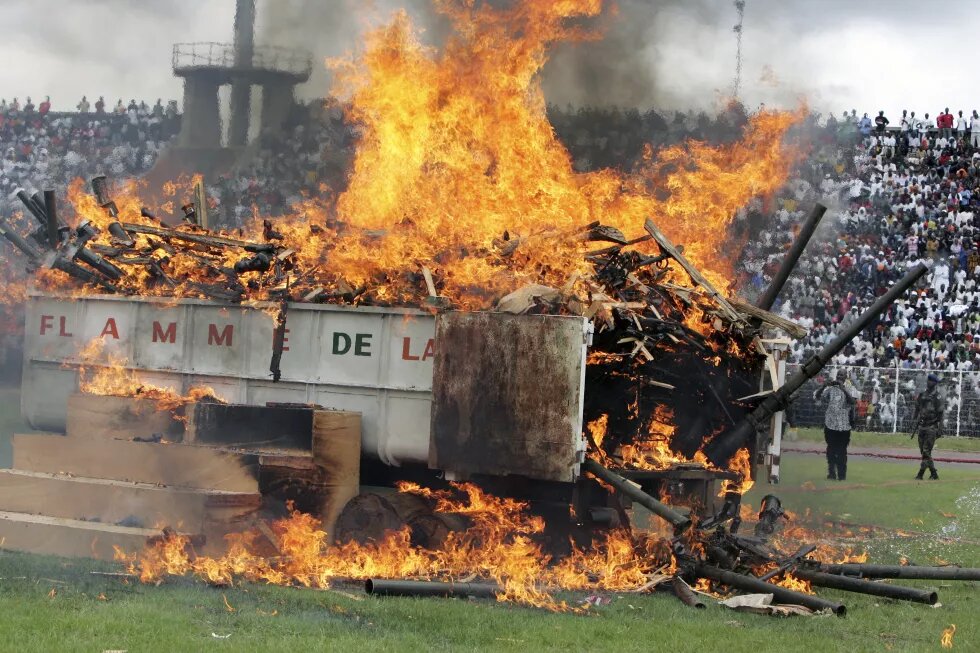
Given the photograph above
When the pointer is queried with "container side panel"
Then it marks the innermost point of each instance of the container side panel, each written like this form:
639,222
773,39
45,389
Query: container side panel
507,393
411,350
161,337
350,349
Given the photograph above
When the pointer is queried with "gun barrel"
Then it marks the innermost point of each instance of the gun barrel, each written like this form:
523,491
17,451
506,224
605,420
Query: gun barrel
780,594
99,263
662,510
910,572
33,208
18,241
861,586
721,449
51,210
792,257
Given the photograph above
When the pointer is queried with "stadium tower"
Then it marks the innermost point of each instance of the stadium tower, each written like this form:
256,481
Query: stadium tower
205,67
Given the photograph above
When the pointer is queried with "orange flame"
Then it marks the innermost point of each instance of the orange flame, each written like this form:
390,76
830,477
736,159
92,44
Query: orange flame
499,545
740,463
946,640
106,373
457,168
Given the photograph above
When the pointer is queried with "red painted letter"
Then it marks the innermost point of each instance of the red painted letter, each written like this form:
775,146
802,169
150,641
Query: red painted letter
110,328
406,350
430,349
63,331
46,321
224,338
170,335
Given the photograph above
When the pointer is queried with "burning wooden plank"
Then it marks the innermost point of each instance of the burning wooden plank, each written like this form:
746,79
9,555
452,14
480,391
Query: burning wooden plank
729,311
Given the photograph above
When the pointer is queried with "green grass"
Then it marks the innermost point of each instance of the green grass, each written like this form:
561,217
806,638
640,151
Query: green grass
181,615
890,441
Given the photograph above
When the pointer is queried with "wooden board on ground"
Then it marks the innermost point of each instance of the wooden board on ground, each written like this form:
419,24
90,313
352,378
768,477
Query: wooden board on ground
139,505
70,538
104,417
175,465
250,426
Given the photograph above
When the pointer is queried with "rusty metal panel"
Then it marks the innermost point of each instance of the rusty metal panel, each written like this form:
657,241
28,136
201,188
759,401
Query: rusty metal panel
507,395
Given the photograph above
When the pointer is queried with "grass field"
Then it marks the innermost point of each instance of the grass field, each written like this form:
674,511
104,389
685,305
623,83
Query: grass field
892,440
52,605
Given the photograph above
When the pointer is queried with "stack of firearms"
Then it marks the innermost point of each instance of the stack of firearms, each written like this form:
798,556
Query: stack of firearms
122,262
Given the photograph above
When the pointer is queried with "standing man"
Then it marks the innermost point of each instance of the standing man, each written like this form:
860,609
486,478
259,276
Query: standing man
945,124
928,420
837,424
962,126
975,129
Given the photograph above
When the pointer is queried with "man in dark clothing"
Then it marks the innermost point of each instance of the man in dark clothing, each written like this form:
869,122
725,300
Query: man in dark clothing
928,420
837,425
881,122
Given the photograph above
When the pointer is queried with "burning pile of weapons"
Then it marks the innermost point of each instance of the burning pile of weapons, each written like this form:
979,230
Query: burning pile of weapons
141,258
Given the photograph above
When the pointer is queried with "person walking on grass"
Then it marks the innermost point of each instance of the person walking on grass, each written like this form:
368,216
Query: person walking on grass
837,424
928,421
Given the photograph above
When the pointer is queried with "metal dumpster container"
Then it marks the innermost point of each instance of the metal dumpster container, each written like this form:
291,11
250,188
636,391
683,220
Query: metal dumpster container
375,361
371,360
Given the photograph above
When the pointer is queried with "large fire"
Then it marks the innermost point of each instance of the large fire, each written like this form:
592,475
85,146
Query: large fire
503,543
458,169
459,173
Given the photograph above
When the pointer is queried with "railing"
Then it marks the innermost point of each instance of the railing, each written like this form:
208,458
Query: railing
222,55
886,402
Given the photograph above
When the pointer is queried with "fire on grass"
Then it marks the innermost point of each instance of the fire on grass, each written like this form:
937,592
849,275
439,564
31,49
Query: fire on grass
503,544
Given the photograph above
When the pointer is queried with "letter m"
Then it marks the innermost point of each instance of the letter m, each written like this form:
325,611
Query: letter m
170,335
224,338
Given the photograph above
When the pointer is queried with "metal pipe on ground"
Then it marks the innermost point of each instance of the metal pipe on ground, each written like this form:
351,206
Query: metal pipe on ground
687,596
384,587
908,572
721,449
779,594
792,258
861,586
677,520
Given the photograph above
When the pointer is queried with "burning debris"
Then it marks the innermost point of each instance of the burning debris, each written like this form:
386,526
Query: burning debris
462,197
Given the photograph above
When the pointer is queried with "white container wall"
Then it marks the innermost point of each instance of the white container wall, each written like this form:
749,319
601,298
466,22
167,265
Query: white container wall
371,360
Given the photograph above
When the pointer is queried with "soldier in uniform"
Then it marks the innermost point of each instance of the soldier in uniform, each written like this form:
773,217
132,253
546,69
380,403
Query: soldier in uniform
928,420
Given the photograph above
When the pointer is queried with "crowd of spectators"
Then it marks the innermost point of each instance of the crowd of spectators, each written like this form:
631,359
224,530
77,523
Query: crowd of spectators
45,148
899,195
308,157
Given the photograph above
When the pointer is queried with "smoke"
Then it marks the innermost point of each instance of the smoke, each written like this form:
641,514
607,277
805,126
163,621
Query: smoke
334,29
623,67
620,69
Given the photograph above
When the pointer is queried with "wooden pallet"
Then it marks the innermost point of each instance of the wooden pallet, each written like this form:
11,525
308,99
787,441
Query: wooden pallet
174,465
108,501
70,538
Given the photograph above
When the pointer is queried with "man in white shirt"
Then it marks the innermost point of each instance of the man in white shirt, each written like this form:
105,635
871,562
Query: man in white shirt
962,126
975,129
889,143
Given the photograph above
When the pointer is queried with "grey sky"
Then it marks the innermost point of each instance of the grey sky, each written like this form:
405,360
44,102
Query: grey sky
835,53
